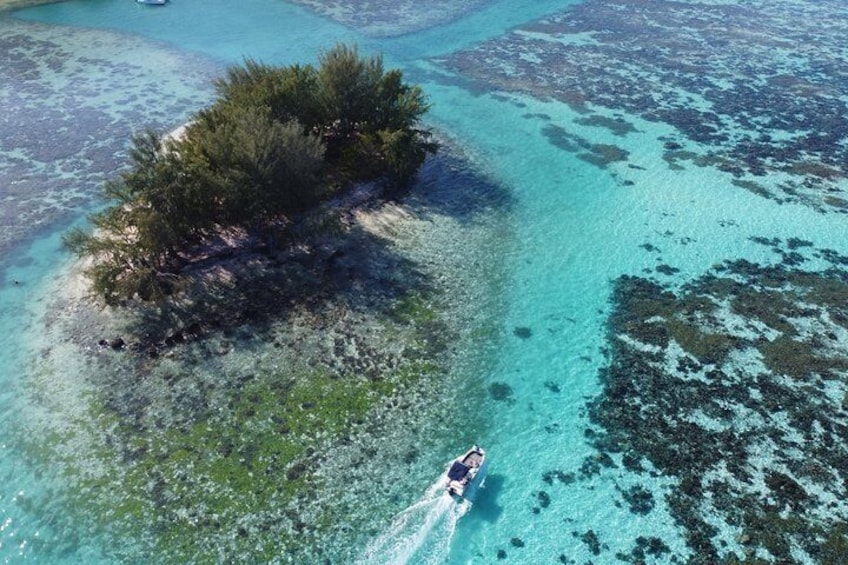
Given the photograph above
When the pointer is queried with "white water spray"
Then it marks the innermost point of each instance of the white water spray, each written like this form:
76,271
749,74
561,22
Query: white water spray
420,534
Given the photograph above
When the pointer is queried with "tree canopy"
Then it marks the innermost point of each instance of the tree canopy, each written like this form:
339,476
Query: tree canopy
274,144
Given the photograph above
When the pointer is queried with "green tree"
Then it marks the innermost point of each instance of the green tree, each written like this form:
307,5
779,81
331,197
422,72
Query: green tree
404,152
347,84
274,144
156,210
286,93
257,167
372,117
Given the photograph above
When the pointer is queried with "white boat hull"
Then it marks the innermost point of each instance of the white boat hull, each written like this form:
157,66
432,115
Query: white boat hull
466,473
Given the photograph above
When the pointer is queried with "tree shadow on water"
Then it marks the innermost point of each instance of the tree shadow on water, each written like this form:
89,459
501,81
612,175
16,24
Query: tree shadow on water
356,270
261,288
451,185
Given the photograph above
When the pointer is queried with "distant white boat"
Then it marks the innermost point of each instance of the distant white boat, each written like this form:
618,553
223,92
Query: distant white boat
153,2
464,470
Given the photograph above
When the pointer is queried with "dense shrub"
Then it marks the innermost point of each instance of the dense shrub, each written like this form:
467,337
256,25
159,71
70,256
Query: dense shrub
275,143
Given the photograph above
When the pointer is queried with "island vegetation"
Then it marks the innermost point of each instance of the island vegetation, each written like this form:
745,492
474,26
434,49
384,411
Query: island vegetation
198,427
274,147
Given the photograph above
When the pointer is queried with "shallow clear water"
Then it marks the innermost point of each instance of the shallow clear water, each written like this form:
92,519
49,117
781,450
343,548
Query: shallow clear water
575,227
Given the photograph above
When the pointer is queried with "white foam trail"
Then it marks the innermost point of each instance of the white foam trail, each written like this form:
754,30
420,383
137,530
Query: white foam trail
423,531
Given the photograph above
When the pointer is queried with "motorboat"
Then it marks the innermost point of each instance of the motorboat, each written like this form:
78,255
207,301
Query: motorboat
153,2
464,470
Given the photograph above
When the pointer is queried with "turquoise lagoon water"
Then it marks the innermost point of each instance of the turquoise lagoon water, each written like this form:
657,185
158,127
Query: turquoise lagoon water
574,226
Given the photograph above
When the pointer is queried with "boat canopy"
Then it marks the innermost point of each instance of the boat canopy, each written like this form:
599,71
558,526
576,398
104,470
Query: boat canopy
458,471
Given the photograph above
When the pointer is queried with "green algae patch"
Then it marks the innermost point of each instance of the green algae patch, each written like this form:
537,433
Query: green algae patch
217,445
799,359
836,202
707,347
765,306
618,126
414,309
603,154
753,187
835,546
230,474
240,477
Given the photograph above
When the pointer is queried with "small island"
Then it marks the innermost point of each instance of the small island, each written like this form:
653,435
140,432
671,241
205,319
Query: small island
277,309
259,166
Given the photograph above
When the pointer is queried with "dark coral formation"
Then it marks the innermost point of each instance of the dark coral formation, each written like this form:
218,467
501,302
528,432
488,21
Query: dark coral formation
599,154
640,499
501,392
590,538
736,385
654,547
564,478
544,499
734,79
523,332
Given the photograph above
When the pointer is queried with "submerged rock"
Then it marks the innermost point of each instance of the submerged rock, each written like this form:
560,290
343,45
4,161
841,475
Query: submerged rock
501,392
523,332
640,499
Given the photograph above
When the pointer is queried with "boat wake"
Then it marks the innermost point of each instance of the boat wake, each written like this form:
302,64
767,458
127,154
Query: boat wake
422,533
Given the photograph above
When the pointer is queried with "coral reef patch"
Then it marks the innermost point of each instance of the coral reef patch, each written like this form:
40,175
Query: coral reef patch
736,385
735,80
78,95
